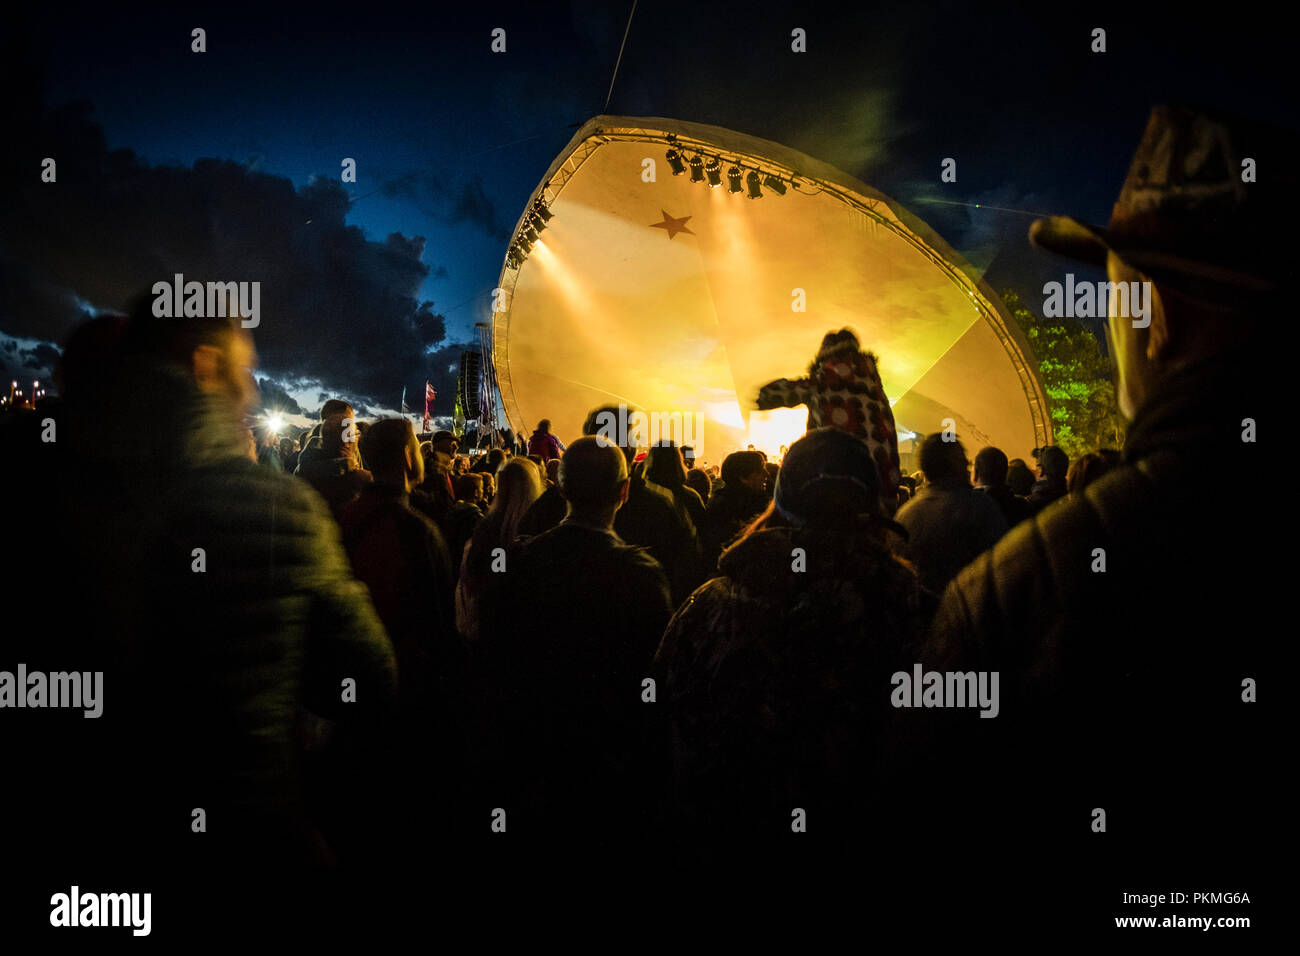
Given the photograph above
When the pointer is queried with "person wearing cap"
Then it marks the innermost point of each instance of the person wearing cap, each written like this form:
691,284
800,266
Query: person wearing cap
445,442
1125,621
775,673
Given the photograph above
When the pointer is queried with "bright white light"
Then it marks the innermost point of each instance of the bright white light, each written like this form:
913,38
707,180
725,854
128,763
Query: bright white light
770,429
274,423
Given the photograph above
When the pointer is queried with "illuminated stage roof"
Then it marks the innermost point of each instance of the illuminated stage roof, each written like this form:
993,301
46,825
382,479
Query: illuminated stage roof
673,295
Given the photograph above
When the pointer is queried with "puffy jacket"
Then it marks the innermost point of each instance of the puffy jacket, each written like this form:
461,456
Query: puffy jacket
216,596
1122,625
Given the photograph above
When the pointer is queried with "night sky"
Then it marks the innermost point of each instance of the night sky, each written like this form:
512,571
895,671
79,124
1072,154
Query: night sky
226,163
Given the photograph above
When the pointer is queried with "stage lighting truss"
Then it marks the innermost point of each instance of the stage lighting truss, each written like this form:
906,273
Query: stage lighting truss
534,222
740,177
703,167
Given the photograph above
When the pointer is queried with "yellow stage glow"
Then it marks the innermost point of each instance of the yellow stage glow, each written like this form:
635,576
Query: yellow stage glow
776,427
612,306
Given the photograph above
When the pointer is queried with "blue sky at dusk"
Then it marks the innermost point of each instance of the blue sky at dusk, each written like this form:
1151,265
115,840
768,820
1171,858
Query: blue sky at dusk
451,140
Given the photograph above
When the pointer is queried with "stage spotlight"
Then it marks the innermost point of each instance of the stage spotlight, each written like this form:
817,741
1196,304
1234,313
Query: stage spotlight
713,170
774,183
536,221
755,190
735,181
530,233
540,210
697,169
675,162
516,258
525,244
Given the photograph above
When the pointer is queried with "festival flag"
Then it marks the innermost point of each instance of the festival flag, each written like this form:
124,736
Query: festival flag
458,417
429,396
405,409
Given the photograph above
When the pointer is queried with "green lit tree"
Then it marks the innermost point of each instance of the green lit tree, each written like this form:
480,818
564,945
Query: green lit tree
1077,378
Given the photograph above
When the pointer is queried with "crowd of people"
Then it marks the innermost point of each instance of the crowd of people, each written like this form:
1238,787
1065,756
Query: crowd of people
321,645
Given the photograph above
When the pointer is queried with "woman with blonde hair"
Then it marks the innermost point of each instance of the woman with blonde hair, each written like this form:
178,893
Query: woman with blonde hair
518,486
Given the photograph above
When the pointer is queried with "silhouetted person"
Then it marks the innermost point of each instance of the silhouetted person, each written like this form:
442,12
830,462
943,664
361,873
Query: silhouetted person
218,601
740,499
697,479
520,487
402,558
666,469
336,472
543,443
649,519
568,632
312,442
1020,478
843,390
948,522
490,462
775,673
1085,470
1053,466
991,478
549,508
1116,616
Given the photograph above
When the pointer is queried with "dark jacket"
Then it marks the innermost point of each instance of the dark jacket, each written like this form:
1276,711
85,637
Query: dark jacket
335,480
947,526
775,677
1044,492
650,518
567,634
544,513
689,504
730,509
1014,508
1119,681
216,596
401,557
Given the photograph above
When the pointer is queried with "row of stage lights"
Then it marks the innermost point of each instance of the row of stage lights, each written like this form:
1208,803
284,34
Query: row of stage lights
703,169
535,222
709,169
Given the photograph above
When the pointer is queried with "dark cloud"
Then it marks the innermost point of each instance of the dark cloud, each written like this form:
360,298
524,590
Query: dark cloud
466,201
275,397
336,308
42,358
473,206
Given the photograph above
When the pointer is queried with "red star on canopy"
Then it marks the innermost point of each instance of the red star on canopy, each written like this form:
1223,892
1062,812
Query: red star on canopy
674,226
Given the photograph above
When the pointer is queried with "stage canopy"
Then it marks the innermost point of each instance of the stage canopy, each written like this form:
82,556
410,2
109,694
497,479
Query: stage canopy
675,295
